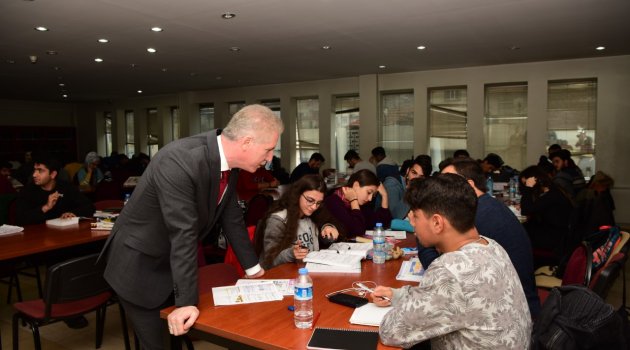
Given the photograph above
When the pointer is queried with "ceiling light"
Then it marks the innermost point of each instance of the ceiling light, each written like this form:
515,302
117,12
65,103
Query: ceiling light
41,29
382,66
103,41
98,59
133,65
193,74
139,91
600,48
10,61
151,50
326,47
228,15
164,69
235,49
421,47
51,52
57,68
62,84
219,78
64,96
156,29
514,48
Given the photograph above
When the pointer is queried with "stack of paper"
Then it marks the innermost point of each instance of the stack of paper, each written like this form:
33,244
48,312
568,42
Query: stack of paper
59,222
10,229
246,294
331,261
369,314
102,226
410,270
284,286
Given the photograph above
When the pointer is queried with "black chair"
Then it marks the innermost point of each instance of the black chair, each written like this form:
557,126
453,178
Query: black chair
73,288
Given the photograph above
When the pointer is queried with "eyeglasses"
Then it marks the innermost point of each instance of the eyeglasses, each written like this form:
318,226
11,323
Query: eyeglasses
311,201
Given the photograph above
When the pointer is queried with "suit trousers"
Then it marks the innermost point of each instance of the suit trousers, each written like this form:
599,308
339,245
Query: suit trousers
147,324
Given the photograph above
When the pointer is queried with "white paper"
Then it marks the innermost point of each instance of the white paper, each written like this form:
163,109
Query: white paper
389,233
10,229
246,294
284,286
369,315
59,222
315,268
410,270
333,258
360,249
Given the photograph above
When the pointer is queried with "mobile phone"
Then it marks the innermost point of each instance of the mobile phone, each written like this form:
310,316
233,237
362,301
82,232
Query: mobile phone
348,300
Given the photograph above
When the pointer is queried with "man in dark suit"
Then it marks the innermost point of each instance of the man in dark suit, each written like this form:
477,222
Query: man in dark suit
152,250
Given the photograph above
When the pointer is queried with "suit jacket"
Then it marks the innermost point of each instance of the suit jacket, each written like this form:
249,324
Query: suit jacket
152,249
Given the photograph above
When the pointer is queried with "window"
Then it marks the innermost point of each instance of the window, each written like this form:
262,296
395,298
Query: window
396,126
505,127
129,134
571,120
152,131
274,105
175,124
346,123
307,129
448,118
108,134
206,117
234,107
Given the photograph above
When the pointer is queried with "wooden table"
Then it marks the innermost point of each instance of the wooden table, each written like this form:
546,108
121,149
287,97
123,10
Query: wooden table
269,325
41,238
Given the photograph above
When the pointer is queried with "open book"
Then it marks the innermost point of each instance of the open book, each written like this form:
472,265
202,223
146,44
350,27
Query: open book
360,249
331,257
315,267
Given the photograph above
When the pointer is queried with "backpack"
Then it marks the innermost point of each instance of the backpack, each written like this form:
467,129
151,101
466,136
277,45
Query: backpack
601,245
574,317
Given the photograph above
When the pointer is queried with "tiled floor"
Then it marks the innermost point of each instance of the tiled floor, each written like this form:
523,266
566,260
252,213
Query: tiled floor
59,337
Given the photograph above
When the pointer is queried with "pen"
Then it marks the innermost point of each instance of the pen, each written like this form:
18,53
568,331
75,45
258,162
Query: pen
315,319
363,286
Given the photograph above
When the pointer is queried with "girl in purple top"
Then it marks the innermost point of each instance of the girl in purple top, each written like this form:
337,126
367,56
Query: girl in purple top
352,204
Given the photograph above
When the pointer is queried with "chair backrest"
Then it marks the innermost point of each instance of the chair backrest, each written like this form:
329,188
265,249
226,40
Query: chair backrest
230,256
5,206
109,204
257,208
72,169
623,245
74,279
604,278
579,266
216,275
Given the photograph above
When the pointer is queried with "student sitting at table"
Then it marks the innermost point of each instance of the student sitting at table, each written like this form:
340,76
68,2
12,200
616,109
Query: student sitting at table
292,226
351,204
251,183
470,297
48,198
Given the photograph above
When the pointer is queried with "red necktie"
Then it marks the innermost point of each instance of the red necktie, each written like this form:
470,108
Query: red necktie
225,177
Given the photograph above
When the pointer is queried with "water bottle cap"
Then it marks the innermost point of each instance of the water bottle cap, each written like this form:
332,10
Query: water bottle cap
378,224
303,271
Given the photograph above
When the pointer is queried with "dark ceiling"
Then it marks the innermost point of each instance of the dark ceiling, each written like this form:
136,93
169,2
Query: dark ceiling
281,41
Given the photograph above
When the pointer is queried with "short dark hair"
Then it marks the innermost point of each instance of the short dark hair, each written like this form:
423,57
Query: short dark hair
494,159
5,164
317,157
351,154
378,151
461,153
554,148
449,195
471,170
364,177
564,154
46,160
444,163
424,161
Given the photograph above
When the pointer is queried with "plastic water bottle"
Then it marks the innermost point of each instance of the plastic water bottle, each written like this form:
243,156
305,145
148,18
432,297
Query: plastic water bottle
512,189
379,255
490,185
127,196
303,300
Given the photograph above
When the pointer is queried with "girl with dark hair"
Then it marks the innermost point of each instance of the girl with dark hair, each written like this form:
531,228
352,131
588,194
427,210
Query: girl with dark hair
291,228
548,210
350,204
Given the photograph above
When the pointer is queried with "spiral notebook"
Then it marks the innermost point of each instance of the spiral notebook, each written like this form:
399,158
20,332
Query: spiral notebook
337,338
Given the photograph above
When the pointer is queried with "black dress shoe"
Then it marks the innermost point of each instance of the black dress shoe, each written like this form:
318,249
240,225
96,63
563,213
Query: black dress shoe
77,322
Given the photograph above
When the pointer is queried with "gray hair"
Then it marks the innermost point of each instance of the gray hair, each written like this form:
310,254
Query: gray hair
91,158
253,120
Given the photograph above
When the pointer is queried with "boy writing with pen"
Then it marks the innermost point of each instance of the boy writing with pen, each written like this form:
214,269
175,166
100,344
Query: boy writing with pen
470,297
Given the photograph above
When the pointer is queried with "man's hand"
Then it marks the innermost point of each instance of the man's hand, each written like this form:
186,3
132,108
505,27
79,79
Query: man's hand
257,275
67,215
52,200
330,232
181,319
379,295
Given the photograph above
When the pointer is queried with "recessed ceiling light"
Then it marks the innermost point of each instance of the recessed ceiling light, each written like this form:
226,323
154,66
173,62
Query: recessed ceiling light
193,74
156,29
382,66
421,47
219,78
228,15
64,96
151,50
62,84
98,59
326,47
103,40
139,91
514,48
164,69
10,61
51,52
41,29
133,65
56,68
600,48
235,48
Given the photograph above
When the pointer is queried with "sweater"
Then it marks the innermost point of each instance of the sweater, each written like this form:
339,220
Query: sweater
32,198
356,221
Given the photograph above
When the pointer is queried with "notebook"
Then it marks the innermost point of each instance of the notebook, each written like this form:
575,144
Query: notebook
369,315
348,339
